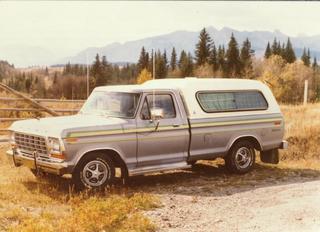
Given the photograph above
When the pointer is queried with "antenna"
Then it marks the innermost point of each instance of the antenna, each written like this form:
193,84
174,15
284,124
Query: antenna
87,74
153,76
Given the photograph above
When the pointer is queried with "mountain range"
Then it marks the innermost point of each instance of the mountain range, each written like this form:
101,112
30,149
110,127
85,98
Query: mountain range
129,51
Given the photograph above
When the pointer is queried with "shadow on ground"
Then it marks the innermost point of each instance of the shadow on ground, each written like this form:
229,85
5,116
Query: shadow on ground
204,179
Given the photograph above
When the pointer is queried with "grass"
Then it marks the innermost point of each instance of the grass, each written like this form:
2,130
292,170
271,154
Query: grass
30,204
302,132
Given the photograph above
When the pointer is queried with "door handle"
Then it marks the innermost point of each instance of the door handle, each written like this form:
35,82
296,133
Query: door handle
175,125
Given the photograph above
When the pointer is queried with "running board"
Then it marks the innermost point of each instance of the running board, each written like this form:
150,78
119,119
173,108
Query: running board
158,168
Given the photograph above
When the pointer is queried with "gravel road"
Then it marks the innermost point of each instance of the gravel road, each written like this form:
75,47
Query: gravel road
209,199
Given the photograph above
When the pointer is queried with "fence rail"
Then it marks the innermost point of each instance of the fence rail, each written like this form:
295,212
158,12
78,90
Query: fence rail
38,110
42,100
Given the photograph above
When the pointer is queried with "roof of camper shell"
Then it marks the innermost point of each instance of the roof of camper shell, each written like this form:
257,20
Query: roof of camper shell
190,86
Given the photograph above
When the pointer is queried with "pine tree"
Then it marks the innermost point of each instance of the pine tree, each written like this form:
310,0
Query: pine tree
289,54
314,64
96,67
173,60
233,58
214,58
161,68
268,52
165,59
275,48
282,50
183,56
202,52
143,61
186,64
309,57
55,78
221,59
305,57
246,59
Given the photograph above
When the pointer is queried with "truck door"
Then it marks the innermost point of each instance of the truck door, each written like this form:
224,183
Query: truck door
163,140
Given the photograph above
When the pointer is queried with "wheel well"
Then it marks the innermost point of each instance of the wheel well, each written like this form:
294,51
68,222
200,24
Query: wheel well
251,139
116,158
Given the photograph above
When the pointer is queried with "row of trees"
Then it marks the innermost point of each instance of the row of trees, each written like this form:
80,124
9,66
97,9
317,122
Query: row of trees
230,62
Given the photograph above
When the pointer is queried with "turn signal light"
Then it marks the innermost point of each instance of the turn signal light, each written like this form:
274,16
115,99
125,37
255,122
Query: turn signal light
58,156
71,140
277,122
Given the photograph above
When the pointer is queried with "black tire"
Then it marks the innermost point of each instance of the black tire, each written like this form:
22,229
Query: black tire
244,150
81,175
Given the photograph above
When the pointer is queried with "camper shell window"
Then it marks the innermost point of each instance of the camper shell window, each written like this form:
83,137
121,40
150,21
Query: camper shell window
224,101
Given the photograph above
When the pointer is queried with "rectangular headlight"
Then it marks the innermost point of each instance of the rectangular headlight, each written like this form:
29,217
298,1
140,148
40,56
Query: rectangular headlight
54,144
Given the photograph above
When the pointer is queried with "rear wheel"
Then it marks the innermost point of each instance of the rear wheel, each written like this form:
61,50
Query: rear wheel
241,157
95,171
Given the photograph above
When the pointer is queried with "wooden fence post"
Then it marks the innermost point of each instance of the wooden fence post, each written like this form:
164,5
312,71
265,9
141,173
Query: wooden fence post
305,94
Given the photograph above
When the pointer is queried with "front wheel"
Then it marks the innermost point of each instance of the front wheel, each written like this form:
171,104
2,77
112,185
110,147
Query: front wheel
95,171
241,157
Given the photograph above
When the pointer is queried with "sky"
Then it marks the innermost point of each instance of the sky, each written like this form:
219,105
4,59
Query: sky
65,28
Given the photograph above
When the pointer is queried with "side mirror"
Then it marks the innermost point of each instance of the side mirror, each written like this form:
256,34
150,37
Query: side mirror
156,114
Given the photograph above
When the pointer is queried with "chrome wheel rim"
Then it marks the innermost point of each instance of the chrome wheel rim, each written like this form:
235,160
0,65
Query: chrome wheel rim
95,173
243,157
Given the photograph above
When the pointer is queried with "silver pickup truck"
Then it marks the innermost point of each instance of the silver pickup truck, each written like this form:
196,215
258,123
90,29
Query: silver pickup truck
159,125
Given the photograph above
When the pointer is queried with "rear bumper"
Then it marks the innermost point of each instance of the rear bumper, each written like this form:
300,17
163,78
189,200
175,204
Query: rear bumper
58,168
284,145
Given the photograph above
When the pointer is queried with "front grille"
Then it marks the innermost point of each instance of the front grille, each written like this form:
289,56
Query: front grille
28,144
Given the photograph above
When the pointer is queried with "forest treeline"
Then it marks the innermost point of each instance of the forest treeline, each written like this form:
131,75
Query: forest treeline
280,68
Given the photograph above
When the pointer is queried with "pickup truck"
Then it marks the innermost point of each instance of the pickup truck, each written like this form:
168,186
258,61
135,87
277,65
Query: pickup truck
156,126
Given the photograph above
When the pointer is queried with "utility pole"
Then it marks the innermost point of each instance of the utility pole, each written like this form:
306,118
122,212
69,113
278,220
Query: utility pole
87,75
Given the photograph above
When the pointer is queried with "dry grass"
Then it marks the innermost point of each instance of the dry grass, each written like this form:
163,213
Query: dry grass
302,132
29,204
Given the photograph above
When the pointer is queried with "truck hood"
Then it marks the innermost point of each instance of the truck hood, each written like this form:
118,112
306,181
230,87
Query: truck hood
60,126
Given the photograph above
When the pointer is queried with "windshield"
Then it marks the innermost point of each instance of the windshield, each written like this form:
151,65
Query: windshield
114,104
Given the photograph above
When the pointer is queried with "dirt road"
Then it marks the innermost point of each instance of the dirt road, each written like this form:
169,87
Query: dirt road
268,199
292,207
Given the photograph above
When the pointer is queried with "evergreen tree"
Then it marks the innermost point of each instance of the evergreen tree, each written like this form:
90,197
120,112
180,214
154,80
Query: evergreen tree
186,64
183,56
279,49
173,60
309,57
202,52
143,61
289,54
161,67
165,59
246,59
276,47
55,78
268,51
314,64
233,58
96,67
221,59
306,57
214,58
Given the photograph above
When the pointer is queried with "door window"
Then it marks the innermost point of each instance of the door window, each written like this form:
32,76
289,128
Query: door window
158,101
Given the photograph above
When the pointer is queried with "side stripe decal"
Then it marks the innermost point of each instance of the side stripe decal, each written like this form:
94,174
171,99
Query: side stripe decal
168,128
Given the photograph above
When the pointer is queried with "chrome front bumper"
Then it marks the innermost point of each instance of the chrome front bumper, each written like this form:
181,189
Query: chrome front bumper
58,168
